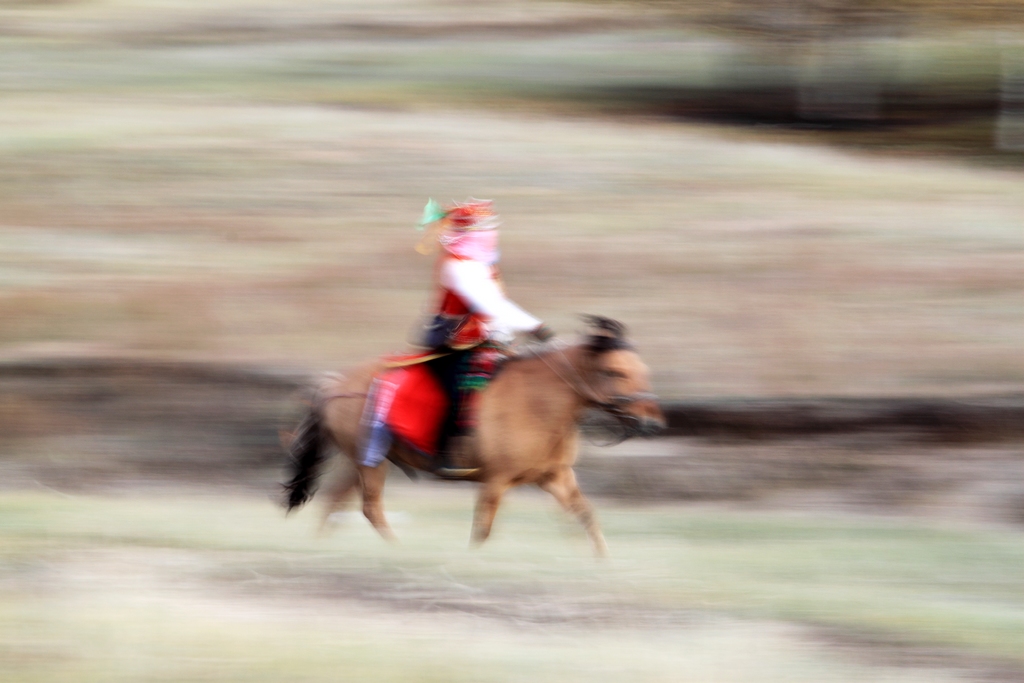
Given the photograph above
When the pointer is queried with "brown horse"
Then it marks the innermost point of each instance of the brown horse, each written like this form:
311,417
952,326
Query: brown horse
526,428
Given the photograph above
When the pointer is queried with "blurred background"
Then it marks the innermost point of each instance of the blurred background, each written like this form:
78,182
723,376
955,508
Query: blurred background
809,214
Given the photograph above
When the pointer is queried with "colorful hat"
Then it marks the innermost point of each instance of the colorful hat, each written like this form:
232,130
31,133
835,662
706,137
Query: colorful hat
448,223
474,214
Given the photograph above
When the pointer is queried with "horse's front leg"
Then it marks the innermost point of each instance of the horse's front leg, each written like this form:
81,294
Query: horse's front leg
486,508
372,481
562,485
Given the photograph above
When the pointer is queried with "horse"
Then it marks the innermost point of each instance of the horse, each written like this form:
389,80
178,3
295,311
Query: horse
526,428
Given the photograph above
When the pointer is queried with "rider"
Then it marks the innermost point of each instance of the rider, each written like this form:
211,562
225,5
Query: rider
474,321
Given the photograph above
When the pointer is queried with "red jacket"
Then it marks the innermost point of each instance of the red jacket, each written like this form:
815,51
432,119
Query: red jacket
464,327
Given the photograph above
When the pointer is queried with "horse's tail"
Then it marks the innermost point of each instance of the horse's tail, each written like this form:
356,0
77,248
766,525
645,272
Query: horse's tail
306,452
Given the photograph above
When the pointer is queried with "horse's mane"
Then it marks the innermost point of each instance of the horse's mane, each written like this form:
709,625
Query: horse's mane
604,335
536,350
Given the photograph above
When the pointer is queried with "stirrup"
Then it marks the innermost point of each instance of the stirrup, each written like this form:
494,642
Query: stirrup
447,467
455,472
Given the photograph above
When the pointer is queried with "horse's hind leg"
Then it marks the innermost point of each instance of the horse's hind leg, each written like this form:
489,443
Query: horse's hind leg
372,481
562,485
486,508
339,493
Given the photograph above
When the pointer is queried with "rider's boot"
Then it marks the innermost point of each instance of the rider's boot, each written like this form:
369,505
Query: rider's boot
454,458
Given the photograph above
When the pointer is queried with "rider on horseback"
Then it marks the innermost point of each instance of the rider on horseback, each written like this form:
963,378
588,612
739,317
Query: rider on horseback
474,321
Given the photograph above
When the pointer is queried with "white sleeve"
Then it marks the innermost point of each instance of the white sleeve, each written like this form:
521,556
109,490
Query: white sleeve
472,281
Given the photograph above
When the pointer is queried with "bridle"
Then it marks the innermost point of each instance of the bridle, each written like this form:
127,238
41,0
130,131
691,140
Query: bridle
615,405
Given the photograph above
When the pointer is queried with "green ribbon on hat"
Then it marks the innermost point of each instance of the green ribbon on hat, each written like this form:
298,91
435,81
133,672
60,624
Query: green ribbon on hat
432,213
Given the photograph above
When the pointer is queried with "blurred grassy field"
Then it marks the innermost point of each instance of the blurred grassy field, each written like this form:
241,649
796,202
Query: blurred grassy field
179,585
238,180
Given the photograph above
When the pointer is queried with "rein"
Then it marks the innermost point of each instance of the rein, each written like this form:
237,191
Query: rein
613,405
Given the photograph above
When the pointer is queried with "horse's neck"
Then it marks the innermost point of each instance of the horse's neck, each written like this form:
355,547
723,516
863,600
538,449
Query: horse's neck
562,373
568,366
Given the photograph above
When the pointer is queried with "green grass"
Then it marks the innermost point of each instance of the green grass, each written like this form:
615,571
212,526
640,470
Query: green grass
185,585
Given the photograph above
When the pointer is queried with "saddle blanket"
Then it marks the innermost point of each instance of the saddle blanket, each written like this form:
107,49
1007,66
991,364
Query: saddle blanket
406,402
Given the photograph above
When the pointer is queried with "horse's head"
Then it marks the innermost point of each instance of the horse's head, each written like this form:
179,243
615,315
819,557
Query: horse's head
620,379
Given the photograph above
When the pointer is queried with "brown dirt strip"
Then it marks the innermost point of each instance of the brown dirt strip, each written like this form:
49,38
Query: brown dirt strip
943,419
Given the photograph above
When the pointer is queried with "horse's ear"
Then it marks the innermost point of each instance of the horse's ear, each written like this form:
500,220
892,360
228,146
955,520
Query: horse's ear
606,334
605,326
